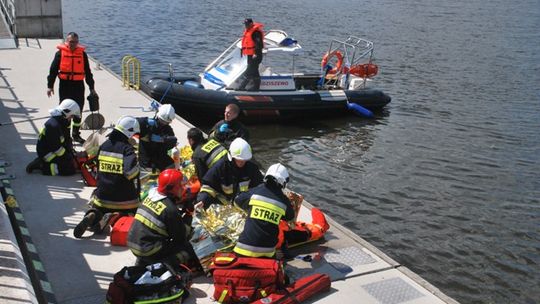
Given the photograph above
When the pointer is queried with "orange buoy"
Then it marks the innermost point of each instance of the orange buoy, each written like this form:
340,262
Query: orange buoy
366,70
327,58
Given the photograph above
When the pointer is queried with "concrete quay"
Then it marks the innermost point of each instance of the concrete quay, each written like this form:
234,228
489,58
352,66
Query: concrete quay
51,266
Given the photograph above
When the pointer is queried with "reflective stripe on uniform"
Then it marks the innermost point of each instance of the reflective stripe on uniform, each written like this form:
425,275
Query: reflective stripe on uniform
54,169
265,199
254,251
131,174
243,186
139,251
215,156
209,190
227,189
123,205
52,155
151,222
214,194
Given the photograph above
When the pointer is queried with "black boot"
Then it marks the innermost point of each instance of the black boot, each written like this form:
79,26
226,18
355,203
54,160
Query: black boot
87,221
34,165
77,137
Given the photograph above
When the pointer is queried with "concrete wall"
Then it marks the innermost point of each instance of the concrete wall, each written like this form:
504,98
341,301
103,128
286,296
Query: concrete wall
38,18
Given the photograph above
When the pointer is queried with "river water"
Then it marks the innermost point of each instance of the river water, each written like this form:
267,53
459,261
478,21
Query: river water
446,181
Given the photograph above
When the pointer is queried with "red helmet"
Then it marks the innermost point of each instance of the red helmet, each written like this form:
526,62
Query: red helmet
170,182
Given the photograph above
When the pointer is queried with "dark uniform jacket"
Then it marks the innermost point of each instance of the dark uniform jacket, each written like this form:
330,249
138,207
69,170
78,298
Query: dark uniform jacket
55,148
118,173
206,155
225,180
266,205
234,129
158,224
155,141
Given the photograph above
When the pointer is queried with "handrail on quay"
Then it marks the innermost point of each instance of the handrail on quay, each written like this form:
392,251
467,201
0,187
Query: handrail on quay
131,72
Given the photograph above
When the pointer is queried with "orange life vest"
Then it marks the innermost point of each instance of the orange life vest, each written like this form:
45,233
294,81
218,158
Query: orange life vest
71,63
248,45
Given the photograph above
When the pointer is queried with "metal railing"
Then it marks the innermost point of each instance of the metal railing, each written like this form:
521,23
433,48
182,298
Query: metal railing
131,72
354,51
8,9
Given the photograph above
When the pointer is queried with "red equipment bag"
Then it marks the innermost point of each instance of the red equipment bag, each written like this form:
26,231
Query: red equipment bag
299,291
120,230
88,167
245,279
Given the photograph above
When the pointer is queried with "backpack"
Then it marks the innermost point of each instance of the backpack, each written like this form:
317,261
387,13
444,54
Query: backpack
140,284
244,279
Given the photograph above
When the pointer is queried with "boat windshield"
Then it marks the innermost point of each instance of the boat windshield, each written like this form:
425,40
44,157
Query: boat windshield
232,61
279,59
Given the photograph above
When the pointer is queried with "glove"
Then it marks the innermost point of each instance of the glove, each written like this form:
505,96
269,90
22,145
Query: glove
224,128
152,122
156,138
170,140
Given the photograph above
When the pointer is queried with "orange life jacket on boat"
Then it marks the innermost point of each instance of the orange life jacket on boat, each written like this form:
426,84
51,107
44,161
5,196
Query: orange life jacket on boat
71,63
248,44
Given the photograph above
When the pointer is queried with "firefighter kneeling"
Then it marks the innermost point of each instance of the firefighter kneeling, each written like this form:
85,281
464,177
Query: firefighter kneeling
160,230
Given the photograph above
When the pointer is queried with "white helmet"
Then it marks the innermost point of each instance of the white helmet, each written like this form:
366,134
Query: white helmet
128,125
166,113
69,108
240,149
279,173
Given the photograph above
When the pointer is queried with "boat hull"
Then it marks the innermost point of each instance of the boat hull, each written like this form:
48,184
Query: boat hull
194,102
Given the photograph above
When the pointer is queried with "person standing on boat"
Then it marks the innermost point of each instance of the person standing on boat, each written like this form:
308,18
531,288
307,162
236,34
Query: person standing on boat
229,176
229,128
266,205
54,147
157,138
117,178
206,153
71,65
162,224
252,47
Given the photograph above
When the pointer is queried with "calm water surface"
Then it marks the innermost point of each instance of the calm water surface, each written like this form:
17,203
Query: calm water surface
446,181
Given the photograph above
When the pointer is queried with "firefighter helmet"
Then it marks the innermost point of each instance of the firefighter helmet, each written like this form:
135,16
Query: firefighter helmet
170,182
69,108
279,173
240,149
128,125
166,113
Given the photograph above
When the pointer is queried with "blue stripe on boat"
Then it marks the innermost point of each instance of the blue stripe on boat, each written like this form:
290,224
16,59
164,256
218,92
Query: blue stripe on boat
213,79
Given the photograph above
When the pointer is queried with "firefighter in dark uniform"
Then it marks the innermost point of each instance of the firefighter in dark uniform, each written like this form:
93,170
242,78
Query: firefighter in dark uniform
54,146
117,180
206,153
160,230
71,65
229,128
266,205
156,139
229,176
